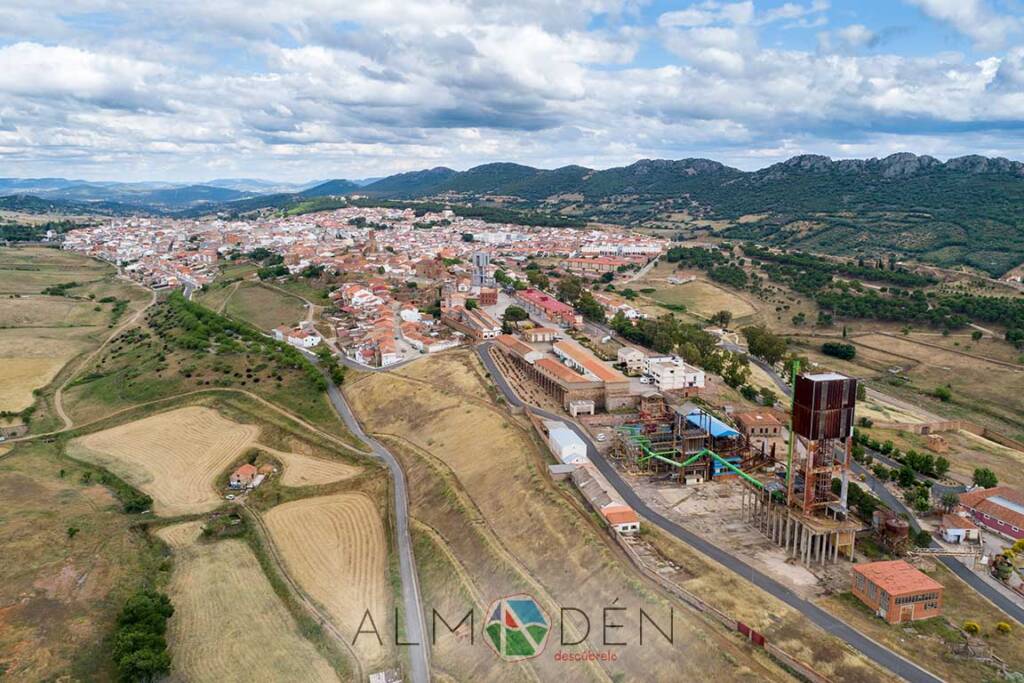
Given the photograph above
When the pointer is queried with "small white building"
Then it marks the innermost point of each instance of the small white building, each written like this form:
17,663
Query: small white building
297,336
567,446
632,358
670,373
622,518
957,529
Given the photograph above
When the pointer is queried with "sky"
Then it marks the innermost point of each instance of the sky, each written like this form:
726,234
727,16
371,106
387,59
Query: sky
296,90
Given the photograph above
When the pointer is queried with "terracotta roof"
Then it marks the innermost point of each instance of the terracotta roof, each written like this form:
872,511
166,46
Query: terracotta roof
957,522
559,371
757,418
246,470
897,577
513,344
620,514
589,361
992,502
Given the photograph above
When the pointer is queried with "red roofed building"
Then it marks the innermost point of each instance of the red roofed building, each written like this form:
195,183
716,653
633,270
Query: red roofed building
243,476
622,518
999,509
896,591
536,301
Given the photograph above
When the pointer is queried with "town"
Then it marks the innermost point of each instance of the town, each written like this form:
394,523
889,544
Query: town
790,487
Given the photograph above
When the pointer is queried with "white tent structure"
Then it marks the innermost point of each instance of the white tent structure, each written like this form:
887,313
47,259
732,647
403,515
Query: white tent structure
567,446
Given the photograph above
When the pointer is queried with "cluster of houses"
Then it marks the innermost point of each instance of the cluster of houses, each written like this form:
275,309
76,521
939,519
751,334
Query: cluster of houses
249,476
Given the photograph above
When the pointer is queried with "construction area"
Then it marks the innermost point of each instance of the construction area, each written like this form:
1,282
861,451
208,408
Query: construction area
772,499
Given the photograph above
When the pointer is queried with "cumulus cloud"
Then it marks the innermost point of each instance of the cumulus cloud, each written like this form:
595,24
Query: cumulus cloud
306,88
974,18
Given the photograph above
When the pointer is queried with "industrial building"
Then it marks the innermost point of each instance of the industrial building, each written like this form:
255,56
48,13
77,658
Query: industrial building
581,379
896,591
791,503
804,516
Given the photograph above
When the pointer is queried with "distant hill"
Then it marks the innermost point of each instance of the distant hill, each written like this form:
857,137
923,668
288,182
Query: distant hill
412,184
331,187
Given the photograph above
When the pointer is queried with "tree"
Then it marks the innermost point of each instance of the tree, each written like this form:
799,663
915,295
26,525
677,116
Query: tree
764,344
841,351
985,478
922,539
943,394
941,466
722,318
976,335
515,314
471,304
906,477
589,308
768,396
569,289
949,501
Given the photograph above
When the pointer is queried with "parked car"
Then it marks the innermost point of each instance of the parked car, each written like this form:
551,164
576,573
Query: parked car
230,496
601,437
645,380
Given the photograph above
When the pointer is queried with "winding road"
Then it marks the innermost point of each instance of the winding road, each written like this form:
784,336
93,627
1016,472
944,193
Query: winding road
415,624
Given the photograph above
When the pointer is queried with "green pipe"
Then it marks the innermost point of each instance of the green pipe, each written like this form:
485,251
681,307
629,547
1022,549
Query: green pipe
792,407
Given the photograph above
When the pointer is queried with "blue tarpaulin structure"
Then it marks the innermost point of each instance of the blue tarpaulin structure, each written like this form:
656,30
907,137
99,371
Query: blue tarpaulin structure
710,424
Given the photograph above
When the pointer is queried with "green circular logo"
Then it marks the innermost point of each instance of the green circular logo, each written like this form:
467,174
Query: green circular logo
516,627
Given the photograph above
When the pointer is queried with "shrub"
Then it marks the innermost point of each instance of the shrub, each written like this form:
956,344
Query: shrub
972,627
1004,627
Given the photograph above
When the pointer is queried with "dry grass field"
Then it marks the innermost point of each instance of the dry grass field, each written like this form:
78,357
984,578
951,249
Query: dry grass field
977,385
264,307
476,477
30,359
335,548
175,457
228,623
701,297
39,334
59,594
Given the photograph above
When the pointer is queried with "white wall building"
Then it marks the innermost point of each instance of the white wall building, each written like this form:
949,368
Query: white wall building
671,373
567,446
633,359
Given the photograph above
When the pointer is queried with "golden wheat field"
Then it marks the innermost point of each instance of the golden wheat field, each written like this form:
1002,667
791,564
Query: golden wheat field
335,548
29,360
175,457
228,624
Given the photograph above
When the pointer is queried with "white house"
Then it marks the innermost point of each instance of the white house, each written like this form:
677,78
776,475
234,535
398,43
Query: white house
957,529
632,358
621,517
671,373
567,446
410,314
297,336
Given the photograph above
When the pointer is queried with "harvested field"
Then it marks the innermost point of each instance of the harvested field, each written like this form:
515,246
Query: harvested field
476,477
51,311
175,457
264,307
228,623
305,470
336,550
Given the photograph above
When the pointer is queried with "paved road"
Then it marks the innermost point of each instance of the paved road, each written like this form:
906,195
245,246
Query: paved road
873,650
415,624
